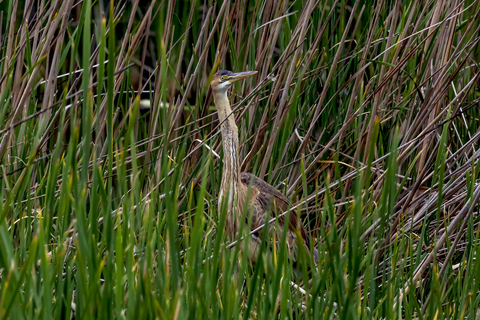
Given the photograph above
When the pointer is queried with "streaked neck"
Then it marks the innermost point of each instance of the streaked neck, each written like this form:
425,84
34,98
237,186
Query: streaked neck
231,164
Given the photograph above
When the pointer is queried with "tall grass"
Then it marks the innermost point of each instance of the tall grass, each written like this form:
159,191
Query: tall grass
364,114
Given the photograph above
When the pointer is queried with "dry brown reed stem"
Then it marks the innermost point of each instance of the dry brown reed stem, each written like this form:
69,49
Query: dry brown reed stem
463,215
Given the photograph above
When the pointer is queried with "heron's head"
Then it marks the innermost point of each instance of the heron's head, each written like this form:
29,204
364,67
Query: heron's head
223,79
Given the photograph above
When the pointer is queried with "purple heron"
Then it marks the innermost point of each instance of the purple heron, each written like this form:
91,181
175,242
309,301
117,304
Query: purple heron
244,190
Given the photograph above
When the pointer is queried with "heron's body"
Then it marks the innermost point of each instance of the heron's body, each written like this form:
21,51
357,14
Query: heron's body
244,190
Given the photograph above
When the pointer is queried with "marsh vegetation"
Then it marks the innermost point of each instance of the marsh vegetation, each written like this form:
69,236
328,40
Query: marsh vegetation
365,115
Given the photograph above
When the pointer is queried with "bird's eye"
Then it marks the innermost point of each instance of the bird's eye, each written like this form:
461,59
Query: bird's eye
223,78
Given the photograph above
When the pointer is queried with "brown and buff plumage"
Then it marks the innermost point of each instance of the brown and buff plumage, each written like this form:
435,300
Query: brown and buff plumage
263,199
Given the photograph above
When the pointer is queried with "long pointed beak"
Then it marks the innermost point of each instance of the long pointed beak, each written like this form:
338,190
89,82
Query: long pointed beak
241,75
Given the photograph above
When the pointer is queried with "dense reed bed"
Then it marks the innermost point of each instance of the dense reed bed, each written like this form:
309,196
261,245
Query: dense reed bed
366,115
